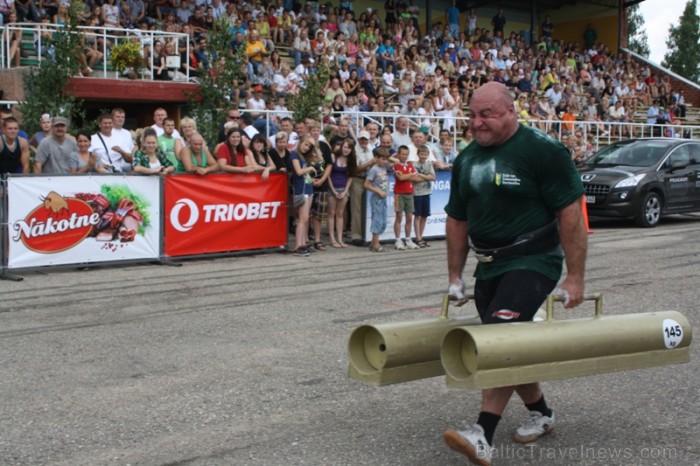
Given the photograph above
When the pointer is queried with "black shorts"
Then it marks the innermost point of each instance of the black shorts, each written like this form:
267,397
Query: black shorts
514,296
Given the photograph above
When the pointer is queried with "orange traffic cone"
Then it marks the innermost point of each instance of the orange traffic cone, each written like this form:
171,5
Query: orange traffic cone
584,211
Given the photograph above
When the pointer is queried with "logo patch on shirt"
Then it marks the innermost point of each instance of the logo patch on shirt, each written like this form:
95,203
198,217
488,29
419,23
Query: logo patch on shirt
506,179
505,314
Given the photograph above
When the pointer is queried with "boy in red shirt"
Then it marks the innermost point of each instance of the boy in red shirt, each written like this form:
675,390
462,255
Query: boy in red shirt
403,199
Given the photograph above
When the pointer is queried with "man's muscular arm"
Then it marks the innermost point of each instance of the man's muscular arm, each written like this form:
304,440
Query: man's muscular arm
574,242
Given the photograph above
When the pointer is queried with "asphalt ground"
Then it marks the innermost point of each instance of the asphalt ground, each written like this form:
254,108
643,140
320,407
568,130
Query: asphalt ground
243,361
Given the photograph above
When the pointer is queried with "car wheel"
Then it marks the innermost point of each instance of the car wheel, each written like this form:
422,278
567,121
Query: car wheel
650,211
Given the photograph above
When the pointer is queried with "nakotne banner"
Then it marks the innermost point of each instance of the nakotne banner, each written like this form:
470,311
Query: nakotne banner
225,212
82,219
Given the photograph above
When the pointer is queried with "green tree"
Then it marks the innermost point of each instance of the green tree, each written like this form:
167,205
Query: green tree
637,40
45,84
683,55
308,101
218,88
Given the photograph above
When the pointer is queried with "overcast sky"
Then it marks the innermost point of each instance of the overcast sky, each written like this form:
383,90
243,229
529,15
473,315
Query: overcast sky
658,17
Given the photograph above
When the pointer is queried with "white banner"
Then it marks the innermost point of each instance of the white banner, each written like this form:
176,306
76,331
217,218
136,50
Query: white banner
436,223
82,219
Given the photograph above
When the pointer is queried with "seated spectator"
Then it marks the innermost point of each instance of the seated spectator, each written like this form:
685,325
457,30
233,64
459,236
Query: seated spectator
110,14
255,50
159,69
301,48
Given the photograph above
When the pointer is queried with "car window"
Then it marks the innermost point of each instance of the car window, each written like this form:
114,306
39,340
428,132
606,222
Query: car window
680,154
639,154
694,154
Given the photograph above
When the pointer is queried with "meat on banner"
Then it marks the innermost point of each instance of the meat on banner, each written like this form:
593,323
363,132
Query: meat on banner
82,219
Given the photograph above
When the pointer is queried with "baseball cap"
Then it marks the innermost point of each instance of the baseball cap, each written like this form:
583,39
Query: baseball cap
451,46
58,120
423,130
258,88
45,117
363,134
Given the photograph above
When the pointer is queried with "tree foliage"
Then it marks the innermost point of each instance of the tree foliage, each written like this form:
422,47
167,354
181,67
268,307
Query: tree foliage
308,101
45,84
637,40
683,55
217,87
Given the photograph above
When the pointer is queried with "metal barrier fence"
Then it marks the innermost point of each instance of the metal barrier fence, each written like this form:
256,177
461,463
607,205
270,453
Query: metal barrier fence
69,220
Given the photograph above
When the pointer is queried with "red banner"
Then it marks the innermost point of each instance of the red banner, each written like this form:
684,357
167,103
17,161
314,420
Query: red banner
219,213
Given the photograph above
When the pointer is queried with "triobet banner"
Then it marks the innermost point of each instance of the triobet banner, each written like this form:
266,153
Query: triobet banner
434,226
82,219
226,212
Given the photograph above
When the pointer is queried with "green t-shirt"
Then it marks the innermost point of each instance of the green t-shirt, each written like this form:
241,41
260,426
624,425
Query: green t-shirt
513,189
167,146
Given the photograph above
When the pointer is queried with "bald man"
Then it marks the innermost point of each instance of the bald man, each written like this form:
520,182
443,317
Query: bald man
512,182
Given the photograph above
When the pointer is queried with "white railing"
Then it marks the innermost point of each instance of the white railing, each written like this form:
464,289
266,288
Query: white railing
597,133
106,37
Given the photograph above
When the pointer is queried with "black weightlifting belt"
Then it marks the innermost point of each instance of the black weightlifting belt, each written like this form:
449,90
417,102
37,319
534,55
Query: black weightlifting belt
540,241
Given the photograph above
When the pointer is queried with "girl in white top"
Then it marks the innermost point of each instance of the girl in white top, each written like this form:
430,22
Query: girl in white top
388,79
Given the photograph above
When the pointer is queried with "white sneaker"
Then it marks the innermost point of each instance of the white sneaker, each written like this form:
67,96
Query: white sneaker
470,442
399,245
411,245
534,428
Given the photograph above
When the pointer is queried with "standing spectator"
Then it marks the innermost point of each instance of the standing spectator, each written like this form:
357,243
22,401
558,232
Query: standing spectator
343,163
196,158
54,152
159,116
45,130
498,22
547,29
403,199
150,160
377,183
124,143
302,190
105,145
452,19
258,157
421,193
471,22
231,155
365,160
84,161
166,141
14,150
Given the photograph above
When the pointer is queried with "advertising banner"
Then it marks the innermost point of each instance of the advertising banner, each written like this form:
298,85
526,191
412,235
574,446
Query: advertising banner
435,225
82,219
227,212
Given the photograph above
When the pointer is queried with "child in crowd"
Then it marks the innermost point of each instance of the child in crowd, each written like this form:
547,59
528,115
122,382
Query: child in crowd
403,199
377,183
425,173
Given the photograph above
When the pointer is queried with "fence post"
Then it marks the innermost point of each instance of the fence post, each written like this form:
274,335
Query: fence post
4,233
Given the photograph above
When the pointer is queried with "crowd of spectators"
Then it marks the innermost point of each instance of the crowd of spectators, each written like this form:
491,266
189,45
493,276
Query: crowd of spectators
416,83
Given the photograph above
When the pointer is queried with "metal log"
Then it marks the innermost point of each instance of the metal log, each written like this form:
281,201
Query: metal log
401,351
524,352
